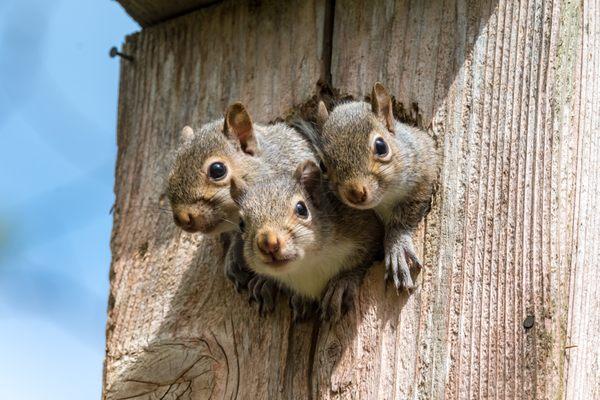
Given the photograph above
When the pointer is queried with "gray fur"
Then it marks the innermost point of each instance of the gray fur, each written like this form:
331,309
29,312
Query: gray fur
280,148
269,203
400,188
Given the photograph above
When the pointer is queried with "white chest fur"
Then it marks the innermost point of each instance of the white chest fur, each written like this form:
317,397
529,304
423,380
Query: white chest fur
384,211
393,196
310,275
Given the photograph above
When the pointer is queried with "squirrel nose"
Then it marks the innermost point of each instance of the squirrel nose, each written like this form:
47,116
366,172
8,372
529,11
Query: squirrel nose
268,243
184,220
357,194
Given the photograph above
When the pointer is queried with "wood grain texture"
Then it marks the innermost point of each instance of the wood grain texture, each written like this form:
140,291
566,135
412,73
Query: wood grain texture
151,12
176,327
510,90
583,354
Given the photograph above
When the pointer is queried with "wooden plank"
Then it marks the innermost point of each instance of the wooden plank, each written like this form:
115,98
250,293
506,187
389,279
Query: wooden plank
151,12
582,349
509,89
176,327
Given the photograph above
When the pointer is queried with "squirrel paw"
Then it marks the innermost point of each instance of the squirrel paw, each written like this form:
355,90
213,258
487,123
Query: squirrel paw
237,273
302,309
339,297
397,258
264,292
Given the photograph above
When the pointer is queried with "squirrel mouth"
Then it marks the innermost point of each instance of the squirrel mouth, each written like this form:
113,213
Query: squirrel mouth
369,204
209,228
190,229
273,261
205,229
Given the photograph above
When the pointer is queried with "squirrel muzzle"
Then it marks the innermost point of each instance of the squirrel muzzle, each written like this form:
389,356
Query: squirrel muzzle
191,219
272,246
355,193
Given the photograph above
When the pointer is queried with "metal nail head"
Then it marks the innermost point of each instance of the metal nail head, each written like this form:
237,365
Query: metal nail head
529,321
114,52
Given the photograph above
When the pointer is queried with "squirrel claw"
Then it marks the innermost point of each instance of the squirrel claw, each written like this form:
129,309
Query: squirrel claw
397,259
302,309
397,268
237,274
339,297
264,292
235,267
411,256
238,287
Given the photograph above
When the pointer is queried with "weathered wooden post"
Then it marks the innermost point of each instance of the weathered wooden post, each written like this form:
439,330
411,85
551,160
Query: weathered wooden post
508,305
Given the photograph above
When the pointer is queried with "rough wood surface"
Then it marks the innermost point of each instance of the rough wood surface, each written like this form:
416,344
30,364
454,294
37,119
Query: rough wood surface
151,12
582,121
176,327
510,91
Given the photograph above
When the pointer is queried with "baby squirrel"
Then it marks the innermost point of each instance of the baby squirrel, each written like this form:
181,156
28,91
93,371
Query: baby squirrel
297,232
209,158
375,162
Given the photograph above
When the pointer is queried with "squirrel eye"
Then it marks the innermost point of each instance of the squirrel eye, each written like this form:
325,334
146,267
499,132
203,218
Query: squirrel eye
322,167
242,226
381,148
301,210
217,171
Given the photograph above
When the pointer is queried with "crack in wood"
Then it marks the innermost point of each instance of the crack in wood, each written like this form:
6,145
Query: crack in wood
508,100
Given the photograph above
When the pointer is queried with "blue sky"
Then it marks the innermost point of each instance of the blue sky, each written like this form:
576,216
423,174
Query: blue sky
58,108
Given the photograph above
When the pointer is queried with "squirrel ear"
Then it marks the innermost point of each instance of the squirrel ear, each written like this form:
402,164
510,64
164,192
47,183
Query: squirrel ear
308,175
186,135
238,126
322,114
237,188
381,104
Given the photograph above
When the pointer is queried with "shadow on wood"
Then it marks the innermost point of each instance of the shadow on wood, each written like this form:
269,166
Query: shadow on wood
495,85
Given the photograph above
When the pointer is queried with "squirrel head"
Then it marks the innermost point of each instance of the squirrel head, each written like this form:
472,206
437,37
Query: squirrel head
198,185
359,150
279,219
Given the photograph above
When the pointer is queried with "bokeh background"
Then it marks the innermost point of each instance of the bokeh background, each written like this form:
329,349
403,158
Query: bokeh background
58,109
